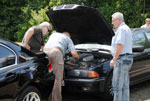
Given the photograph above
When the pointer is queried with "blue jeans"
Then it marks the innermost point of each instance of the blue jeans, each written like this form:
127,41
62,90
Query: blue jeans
120,80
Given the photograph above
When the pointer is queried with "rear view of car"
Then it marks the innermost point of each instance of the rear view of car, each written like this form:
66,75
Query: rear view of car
23,75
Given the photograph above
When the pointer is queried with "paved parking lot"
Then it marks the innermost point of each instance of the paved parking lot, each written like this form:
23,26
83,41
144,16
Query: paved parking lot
81,97
139,92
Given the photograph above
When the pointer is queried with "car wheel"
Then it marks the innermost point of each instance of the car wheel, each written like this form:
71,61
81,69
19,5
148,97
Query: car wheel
108,88
30,94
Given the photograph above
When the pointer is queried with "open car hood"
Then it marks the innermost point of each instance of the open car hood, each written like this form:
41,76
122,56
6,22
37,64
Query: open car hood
85,24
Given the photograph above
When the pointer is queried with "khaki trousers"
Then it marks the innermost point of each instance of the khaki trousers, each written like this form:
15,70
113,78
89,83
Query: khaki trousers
57,61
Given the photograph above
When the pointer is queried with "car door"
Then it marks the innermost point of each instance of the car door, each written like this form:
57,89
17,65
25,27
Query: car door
8,76
140,68
147,33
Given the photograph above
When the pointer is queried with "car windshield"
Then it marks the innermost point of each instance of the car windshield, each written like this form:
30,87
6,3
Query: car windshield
92,47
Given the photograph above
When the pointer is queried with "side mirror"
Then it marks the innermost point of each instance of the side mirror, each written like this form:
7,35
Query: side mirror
138,48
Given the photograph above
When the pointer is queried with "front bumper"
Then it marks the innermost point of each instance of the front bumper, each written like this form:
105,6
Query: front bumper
85,85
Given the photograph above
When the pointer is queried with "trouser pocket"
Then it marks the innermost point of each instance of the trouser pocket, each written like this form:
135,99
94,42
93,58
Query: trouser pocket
127,62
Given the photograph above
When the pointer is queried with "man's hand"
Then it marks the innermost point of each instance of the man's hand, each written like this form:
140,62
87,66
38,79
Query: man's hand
42,47
112,62
75,54
27,46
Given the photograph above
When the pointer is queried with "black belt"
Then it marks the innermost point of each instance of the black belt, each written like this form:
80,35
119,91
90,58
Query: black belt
125,54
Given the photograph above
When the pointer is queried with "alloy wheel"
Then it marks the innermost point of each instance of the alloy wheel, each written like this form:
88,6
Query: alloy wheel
32,96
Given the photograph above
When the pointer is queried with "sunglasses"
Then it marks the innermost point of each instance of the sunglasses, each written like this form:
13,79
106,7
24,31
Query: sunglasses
48,29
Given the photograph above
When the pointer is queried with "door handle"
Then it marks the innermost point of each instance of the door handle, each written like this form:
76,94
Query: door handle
10,77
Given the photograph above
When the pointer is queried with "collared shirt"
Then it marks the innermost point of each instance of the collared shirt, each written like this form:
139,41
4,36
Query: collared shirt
145,26
59,40
123,35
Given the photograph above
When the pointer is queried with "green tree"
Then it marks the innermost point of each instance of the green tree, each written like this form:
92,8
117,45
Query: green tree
16,16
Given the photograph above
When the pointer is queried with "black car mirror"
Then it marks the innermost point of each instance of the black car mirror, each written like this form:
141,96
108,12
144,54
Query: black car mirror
138,48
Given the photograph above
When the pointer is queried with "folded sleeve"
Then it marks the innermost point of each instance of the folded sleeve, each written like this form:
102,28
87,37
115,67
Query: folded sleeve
71,45
121,37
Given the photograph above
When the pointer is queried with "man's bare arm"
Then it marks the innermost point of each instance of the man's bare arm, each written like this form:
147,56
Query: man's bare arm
75,54
29,34
117,53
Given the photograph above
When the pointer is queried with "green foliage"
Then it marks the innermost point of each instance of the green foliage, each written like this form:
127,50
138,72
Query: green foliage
9,18
16,16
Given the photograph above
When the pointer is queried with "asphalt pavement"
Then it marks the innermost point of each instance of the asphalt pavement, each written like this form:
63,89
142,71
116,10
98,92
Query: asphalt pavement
81,97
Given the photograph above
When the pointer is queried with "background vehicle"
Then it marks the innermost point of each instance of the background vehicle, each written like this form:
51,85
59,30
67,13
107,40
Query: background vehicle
23,75
92,35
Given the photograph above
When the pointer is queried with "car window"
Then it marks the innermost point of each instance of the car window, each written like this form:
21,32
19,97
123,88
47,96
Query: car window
139,39
148,35
7,57
22,57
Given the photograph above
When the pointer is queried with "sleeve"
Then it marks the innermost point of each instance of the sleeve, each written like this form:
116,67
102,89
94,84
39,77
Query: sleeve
121,36
70,45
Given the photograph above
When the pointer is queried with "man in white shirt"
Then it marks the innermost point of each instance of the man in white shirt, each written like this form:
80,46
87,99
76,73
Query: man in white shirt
121,50
147,23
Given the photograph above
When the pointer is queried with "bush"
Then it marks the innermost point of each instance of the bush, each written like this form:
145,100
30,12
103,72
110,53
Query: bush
19,15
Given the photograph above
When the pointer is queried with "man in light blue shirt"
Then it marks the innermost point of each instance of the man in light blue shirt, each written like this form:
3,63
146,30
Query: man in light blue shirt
147,23
121,50
123,36
56,46
60,40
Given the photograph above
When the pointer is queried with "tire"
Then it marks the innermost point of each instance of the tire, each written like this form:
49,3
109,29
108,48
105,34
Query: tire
108,93
30,94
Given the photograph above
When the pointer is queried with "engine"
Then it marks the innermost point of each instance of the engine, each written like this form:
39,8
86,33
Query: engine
86,60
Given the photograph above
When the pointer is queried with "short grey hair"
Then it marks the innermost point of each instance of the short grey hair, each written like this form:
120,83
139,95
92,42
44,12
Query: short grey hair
118,15
45,24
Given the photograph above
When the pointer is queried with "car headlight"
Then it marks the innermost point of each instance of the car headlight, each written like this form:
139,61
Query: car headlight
84,73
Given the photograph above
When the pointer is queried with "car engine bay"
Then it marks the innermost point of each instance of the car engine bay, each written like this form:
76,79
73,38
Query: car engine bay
86,60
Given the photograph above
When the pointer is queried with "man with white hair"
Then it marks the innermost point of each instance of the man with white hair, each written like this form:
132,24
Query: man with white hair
147,23
121,50
33,38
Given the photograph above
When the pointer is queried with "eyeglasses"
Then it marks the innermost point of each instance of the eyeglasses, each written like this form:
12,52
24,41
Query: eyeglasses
48,29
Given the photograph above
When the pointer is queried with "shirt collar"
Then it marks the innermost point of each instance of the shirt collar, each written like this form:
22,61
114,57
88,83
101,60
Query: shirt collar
123,23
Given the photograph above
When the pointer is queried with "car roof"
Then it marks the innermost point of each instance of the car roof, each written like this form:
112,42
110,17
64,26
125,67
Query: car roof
140,29
10,44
